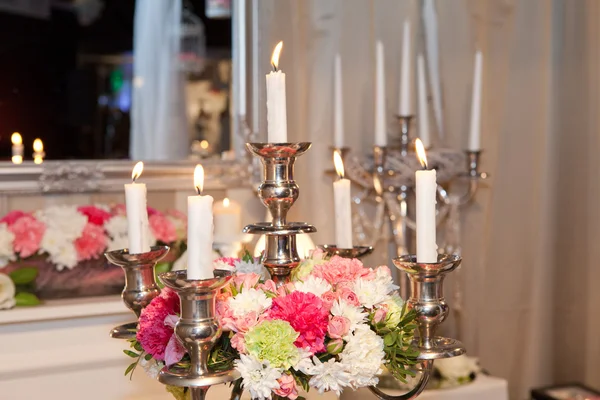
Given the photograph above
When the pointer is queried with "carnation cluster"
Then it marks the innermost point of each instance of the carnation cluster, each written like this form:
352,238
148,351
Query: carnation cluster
335,325
68,235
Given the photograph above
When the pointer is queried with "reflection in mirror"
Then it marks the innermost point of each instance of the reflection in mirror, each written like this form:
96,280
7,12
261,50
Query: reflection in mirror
69,77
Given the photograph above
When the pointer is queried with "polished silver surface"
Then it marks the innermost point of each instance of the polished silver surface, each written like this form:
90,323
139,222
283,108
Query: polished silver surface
404,121
415,392
354,252
278,192
197,330
140,284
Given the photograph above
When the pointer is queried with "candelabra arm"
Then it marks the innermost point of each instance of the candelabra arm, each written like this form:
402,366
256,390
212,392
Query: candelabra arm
415,392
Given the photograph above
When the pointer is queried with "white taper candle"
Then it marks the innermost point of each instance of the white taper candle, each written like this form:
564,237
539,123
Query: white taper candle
426,193
423,116
380,125
475,128
276,103
338,103
342,204
138,228
404,103
200,231
240,7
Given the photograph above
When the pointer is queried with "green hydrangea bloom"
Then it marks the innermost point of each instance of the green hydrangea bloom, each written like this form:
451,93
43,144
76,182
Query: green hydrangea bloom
178,392
394,314
273,341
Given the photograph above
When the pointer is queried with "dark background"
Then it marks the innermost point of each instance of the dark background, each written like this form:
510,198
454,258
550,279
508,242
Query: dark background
45,94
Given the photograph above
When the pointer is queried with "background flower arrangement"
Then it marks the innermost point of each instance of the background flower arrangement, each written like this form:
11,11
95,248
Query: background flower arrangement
66,238
332,327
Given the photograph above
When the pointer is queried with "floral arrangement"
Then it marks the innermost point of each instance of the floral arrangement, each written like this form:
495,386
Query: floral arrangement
334,326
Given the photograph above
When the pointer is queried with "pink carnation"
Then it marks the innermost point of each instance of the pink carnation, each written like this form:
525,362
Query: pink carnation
226,260
12,217
28,233
118,209
152,211
95,215
153,333
245,281
287,387
307,314
91,243
338,270
162,228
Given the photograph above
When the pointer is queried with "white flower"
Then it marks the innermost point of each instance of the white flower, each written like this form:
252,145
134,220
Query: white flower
61,251
117,227
249,300
220,264
63,219
356,315
363,357
383,276
7,292
151,367
256,267
118,243
394,306
257,377
330,375
6,245
372,292
458,367
314,285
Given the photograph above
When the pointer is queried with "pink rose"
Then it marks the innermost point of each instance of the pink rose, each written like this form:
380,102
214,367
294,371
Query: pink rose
287,387
380,315
246,281
28,233
238,342
245,322
349,297
329,298
338,327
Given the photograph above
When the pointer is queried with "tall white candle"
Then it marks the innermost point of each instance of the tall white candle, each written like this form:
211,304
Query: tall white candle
342,203
200,231
240,7
475,131
228,221
404,103
338,103
138,229
276,105
426,191
380,125
423,109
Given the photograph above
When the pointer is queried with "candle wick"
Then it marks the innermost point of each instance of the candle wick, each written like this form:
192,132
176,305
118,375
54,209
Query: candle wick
274,67
198,190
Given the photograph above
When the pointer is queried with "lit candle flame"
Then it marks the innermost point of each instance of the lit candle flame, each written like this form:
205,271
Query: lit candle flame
17,159
421,153
204,144
199,178
275,56
38,145
137,171
225,202
16,139
339,164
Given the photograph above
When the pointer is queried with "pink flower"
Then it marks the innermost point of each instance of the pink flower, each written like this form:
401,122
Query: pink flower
162,229
339,269
244,322
238,342
95,215
91,243
380,314
268,286
287,387
152,211
174,351
12,217
335,346
28,233
245,281
153,334
226,260
307,314
384,269
338,327
349,296
329,298
225,316
119,209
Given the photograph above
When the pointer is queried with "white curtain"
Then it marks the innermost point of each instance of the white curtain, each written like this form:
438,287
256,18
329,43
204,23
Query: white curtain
158,118
530,275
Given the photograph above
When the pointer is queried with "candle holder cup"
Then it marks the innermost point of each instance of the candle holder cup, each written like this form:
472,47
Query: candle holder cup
140,284
278,192
197,330
354,252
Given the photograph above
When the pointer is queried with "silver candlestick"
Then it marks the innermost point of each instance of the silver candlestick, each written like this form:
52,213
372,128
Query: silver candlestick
278,192
404,122
427,299
354,252
197,330
140,284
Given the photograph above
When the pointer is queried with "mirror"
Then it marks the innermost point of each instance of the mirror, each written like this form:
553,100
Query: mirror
67,77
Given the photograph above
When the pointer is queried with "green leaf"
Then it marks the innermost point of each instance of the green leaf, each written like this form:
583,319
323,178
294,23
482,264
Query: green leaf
148,357
131,353
130,368
23,276
247,257
389,339
26,299
162,267
138,346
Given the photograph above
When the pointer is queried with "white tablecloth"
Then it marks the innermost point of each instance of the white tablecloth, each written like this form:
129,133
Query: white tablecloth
484,387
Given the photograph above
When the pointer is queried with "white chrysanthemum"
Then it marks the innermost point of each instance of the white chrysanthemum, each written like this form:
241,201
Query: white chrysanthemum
314,285
260,379
249,300
327,376
363,356
63,219
6,245
458,367
116,227
220,264
61,251
118,243
256,267
151,367
7,292
370,292
382,275
355,315
305,360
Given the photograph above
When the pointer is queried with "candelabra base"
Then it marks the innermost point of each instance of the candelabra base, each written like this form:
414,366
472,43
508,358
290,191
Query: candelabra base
178,376
354,252
442,348
125,331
